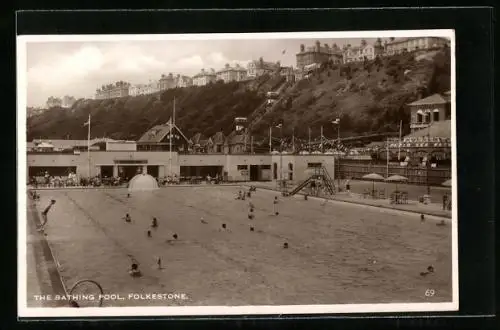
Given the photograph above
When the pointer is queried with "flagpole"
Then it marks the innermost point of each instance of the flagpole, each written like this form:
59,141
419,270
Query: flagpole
270,133
399,145
387,168
309,139
293,139
281,152
88,145
170,142
246,135
321,139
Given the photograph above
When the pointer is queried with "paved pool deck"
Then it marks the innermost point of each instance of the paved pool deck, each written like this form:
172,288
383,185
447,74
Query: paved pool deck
432,209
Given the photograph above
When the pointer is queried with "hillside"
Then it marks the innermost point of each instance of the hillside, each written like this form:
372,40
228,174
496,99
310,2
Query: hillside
368,97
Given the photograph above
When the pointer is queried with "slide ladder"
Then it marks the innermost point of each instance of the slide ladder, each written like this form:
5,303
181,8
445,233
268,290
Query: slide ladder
328,181
320,173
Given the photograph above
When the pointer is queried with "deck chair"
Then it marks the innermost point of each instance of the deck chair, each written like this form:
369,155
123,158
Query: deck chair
381,194
404,197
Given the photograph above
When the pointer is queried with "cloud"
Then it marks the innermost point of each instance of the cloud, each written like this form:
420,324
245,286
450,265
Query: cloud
78,68
62,70
218,60
191,62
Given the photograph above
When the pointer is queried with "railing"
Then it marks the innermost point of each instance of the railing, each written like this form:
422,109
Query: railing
329,182
419,125
415,175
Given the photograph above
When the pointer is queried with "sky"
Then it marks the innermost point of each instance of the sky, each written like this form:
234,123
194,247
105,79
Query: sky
79,68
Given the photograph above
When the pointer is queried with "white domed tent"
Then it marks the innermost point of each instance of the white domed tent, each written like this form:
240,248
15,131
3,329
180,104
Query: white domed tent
142,182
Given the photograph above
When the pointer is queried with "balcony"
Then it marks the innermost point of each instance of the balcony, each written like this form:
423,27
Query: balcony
420,125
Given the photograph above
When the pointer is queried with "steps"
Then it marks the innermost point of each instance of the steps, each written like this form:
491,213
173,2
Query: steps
320,173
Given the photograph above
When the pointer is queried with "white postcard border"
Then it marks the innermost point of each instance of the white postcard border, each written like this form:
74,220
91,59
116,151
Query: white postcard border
24,311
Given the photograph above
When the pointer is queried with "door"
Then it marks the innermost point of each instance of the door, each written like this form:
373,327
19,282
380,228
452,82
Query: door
127,172
153,170
254,172
106,171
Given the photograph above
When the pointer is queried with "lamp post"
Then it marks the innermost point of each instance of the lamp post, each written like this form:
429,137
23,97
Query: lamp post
281,153
337,122
427,165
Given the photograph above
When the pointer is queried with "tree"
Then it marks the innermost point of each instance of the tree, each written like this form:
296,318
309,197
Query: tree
363,43
391,39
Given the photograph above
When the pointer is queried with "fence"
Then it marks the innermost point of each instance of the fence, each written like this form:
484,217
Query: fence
415,175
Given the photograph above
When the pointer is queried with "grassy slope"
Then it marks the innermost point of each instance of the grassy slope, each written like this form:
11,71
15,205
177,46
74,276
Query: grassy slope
371,98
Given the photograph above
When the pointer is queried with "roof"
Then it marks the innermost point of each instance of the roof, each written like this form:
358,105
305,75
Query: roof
399,40
312,66
156,134
265,65
218,138
232,68
433,99
205,142
235,138
198,138
204,74
63,144
375,144
447,96
436,129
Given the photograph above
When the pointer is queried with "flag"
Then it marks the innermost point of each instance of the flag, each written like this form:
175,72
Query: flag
336,121
284,51
279,125
87,122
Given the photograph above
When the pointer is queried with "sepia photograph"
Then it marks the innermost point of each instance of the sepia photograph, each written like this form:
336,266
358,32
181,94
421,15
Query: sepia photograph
237,174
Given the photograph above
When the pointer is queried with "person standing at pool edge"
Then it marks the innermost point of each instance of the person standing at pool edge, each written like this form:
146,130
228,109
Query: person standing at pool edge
44,215
445,201
275,205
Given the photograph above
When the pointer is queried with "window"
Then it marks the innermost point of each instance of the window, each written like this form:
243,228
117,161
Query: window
427,116
419,117
265,167
275,171
313,165
242,167
435,115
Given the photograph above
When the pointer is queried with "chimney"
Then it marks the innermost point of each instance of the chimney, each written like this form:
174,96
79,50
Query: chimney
318,45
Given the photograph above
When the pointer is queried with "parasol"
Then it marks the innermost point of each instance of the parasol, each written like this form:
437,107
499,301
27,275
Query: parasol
374,177
396,178
447,183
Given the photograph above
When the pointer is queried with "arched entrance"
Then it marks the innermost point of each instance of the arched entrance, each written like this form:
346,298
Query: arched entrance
290,171
275,171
